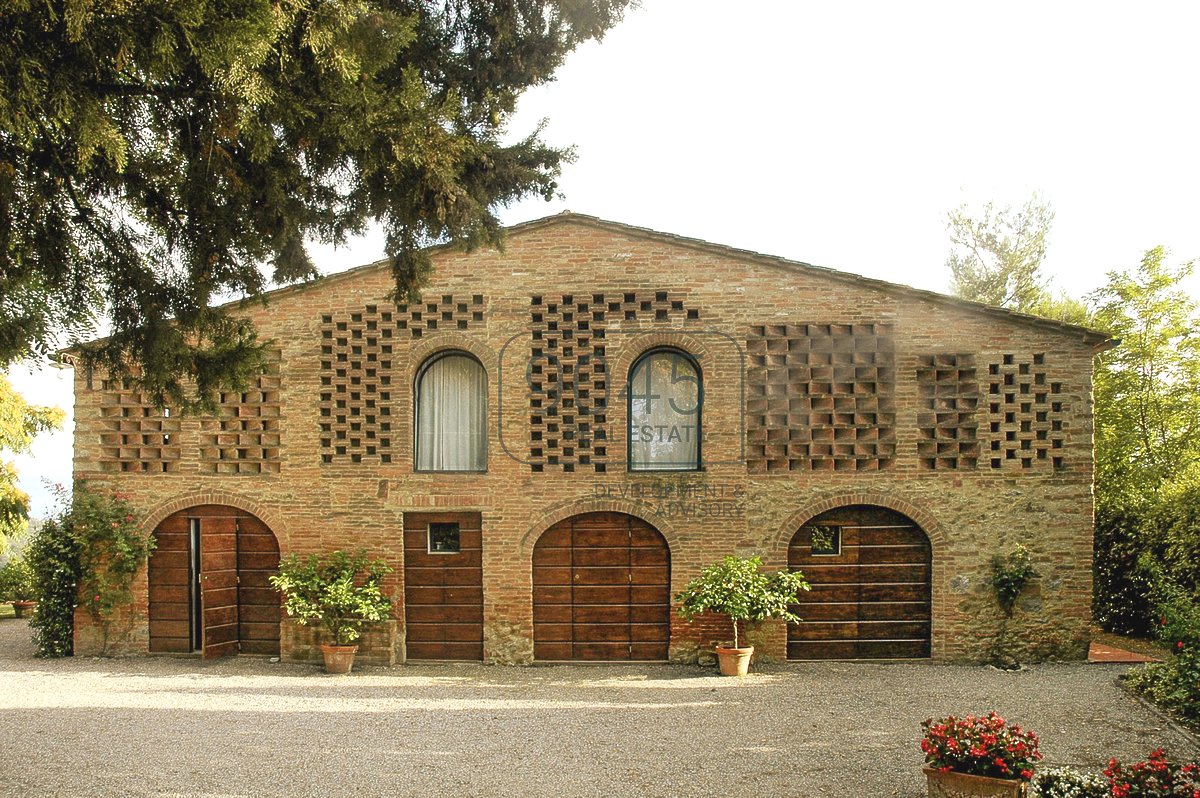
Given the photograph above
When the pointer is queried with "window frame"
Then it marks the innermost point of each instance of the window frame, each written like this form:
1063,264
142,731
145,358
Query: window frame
429,549
416,413
836,550
695,363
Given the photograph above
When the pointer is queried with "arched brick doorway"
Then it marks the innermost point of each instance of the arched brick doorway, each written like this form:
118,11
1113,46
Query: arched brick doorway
601,590
870,569
208,584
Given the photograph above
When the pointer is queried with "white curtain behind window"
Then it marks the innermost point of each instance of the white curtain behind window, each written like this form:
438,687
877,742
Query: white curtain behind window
452,415
664,417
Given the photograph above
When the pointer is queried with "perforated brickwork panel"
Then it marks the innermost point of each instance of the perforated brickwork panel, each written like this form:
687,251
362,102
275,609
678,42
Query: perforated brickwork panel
821,397
243,436
568,373
1026,414
947,419
358,351
134,435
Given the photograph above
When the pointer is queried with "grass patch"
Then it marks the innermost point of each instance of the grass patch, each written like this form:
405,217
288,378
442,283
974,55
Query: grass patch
6,611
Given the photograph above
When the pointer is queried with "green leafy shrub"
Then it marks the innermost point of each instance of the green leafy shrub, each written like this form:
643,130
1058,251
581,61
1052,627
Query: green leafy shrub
1157,776
1175,683
90,550
737,587
340,591
1121,601
1010,575
54,557
16,581
1068,783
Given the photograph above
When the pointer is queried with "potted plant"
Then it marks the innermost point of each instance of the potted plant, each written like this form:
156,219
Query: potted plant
17,586
738,588
1157,775
341,592
978,756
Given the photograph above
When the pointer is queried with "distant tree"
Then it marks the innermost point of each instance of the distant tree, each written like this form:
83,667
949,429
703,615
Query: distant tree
996,255
1147,389
20,422
155,156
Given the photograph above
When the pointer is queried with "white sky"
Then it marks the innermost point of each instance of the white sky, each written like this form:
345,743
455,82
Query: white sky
842,133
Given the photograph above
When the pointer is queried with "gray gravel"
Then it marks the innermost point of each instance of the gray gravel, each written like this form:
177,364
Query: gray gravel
247,727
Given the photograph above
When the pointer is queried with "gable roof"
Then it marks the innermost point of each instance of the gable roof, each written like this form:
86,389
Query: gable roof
1097,339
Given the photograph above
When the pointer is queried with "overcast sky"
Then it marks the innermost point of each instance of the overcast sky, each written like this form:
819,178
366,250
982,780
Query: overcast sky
842,133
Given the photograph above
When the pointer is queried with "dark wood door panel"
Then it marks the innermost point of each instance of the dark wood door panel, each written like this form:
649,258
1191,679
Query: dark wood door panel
443,592
601,584
870,598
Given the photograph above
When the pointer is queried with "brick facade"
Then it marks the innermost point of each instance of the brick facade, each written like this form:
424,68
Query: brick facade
820,390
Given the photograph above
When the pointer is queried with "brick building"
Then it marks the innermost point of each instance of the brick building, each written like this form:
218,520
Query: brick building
562,433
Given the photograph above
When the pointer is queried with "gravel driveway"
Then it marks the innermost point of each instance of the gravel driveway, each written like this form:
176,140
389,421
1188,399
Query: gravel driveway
246,727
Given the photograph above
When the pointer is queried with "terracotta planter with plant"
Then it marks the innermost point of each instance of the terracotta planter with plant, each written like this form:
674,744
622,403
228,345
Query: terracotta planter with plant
17,586
978,756
339,591
737,588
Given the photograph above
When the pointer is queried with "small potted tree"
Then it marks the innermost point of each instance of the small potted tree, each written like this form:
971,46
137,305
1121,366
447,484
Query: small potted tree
738,588
979,755
341,592
17,586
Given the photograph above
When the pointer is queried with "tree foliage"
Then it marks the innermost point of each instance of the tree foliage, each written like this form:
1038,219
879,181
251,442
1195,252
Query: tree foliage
155,156
20,422
1147,389
996,255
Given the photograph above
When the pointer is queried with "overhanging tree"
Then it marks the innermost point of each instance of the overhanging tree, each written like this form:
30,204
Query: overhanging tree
155,156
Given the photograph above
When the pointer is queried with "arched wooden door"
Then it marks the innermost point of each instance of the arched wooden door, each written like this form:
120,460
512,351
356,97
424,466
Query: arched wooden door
601,590
870,571
208,584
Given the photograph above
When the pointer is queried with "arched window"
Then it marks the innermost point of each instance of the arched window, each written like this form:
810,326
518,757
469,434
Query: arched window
451,419
665,400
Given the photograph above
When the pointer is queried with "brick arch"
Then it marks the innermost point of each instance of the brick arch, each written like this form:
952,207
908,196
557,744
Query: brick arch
450,341
638,344
565,510
932,529
220,497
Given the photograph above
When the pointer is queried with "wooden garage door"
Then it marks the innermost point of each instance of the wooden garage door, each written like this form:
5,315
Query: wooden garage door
235,608
443,591
601,590
870,599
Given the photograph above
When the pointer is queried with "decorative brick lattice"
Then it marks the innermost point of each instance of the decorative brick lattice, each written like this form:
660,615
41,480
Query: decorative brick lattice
947,420
568,373
357,352
821,397
134,434
446,312
1026,414
356,385
243,436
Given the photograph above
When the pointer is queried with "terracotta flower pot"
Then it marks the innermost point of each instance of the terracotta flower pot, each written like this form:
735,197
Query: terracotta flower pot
734,661
964,785
21,607
338,659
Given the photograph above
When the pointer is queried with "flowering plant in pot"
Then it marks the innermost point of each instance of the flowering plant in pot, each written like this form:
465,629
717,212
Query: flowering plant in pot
341,592
978,755
738,588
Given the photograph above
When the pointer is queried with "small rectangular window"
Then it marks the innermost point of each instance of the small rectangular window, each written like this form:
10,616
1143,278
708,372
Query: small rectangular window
443,538
826,540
